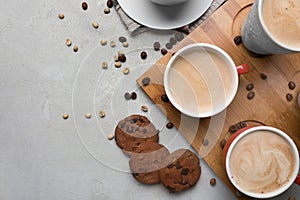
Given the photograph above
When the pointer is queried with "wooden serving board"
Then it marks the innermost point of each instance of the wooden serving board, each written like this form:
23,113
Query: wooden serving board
269,105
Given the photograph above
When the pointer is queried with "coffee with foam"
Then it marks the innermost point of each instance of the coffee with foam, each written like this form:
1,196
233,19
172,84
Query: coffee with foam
262,162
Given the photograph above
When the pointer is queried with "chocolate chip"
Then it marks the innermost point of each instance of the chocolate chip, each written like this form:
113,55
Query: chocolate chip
289,97
238,40
223,143
122,39
170,165
130,129
122,58
143,55
169,45
250,86
169,125
205,142
133,95
156,46
263,76
250,95
144,131
292,85
164,98
178,165
135,174
164,51
127,96
179,36
212,181
122,125
173,40
84,6
146,81
185,171
141,120
109,3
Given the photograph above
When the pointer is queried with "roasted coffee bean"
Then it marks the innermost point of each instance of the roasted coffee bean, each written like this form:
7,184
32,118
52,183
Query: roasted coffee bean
164,51
263,76
133,95
250,95
146,81
127,96
122,58
250,86
173,40
61,16
238,40
84,5
170,165
164,98
223,143
292,85
156,46
122,39
169,125
65,116
213,181
143,55
106,10
205,142
109,3
169,45
185,171
179,36
289,97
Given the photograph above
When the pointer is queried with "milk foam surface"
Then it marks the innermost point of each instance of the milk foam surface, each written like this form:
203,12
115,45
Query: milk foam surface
262,162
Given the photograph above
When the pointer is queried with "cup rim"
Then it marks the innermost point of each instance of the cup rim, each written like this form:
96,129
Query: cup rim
233,90
278,132
261,20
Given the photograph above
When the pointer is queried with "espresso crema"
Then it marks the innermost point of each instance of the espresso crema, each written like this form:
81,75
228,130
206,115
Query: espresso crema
282,19
262,162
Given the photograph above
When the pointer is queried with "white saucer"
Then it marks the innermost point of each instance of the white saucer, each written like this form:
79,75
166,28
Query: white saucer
164,17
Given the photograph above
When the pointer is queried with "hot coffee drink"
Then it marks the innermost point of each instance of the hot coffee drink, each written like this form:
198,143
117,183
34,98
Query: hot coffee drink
282,19
262,162
201,79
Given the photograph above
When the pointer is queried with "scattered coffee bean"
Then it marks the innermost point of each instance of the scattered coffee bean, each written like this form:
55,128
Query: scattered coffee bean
289,97
122,39
110,136
95,24
116,58
213,181
143,55
250,86
112,43
61,16
173,40
103,42
205,142
156,46
185,171
68,42
118,64
223,143
122,58
106,10
88,115
169,45
104,65
179,36
84,5
144,108
75,48
126,70
125,44
133,95
292,85
65,116
292,198
109,3
250,95
127,96
169,125
164,98
164,51
263,76
101,113
146,81
238,40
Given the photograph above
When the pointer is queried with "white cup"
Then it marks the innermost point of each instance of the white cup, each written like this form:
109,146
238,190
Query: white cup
256,36
168,2
186,94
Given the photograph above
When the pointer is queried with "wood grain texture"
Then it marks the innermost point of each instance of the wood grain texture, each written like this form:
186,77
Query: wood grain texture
269,105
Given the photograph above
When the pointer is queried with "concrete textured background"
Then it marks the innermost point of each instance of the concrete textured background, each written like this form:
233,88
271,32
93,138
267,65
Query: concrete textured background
45,157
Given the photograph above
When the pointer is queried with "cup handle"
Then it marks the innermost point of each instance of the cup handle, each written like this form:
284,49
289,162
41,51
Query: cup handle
297,181
242,69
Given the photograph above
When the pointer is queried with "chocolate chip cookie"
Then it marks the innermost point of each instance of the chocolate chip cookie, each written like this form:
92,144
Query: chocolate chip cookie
133,132
181,170
145,166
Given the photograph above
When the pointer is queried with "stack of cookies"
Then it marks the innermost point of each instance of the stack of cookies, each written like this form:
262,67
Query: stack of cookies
151,162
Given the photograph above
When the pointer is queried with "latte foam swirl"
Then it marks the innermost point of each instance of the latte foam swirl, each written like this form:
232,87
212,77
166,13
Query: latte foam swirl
262,162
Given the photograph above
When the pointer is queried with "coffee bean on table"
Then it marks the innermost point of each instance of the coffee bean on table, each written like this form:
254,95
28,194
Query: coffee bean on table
213,181
263,76
156,46
169,125
292,85
84,5
289,97
179,36
164,51
250,86
106,10
164,98
122,58
109,3
205,142
146,81
223,143
169,45
143,55
122,39
250,95
127,96
133,95
173,40
238,40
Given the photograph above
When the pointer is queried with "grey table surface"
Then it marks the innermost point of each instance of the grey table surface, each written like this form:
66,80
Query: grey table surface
45,157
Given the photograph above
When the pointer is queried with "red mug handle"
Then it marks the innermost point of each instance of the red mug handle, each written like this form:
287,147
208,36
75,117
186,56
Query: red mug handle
297,181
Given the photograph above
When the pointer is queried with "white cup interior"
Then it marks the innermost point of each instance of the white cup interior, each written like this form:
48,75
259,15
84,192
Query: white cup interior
219,100
275,192
168,2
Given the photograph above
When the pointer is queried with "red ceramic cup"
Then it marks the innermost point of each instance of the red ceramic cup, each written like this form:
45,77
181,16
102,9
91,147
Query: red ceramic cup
234,149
